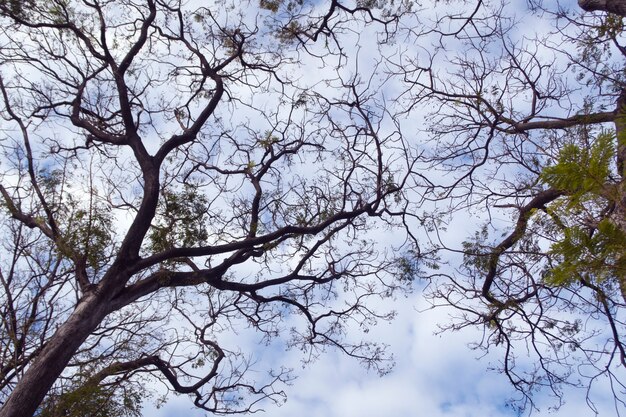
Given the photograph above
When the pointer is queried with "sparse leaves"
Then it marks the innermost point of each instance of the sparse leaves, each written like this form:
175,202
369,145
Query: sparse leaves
582,171
181,219
93,400
169,176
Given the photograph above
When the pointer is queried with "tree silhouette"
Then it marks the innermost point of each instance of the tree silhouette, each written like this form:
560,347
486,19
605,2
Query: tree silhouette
531,128
167,176
173,172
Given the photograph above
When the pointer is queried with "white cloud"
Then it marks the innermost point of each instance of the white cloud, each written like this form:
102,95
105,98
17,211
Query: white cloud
435,376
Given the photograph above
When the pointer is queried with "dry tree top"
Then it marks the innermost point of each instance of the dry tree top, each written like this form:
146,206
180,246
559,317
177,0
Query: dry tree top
172,172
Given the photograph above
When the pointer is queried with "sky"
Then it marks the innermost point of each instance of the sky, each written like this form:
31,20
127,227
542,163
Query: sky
435,375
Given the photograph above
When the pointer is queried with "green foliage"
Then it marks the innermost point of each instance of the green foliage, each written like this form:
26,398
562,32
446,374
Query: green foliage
600,254
288,34
50,180
90,232
271,5
410,266
15,7
93,400
274,5
268,140
86,225
591,245
181,219
407,268
476,251
52,11
612,26
580,170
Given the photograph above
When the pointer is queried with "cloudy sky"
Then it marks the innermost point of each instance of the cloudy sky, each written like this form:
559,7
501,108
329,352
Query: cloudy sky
436,375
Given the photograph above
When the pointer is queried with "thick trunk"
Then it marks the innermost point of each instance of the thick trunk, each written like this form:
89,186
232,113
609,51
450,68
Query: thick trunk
619,219
619,214
54,357
611,6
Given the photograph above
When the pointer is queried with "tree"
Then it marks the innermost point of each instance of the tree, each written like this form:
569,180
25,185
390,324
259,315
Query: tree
171,173
532,128
94,400
617,7
167,176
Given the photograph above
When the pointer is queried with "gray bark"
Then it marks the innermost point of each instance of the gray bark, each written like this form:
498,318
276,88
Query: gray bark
54,357
619,215
611,6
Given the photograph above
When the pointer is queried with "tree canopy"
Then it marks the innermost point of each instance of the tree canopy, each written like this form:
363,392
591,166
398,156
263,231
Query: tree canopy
531,128
172,172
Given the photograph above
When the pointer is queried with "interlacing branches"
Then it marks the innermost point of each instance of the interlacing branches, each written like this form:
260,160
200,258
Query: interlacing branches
517,136
168,178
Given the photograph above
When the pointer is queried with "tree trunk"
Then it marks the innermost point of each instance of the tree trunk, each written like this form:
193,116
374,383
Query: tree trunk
54,357
611,6
619,219
619,214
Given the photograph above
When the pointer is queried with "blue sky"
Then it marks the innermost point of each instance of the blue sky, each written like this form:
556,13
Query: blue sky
435,375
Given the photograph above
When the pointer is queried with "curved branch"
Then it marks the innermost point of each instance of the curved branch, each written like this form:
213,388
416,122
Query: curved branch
164,367
609,6
525,213
577,120
250,243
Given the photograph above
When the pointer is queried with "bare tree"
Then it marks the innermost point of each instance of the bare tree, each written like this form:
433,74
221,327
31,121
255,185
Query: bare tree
172,173
168,175
532,128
